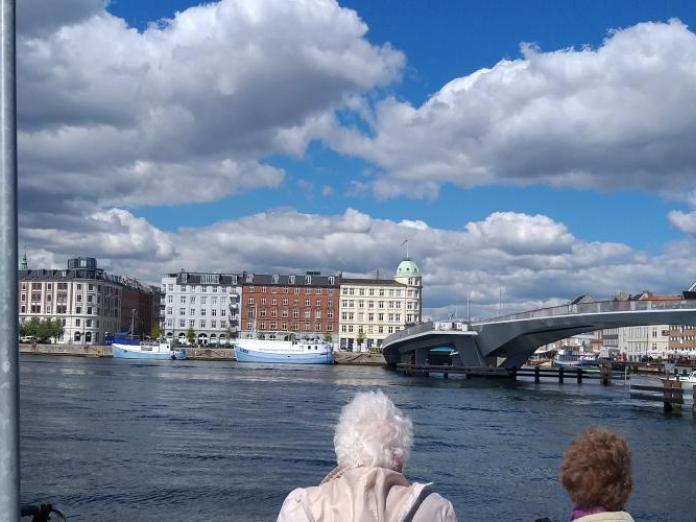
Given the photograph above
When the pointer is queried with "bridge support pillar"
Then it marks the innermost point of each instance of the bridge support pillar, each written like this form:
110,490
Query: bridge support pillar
421,357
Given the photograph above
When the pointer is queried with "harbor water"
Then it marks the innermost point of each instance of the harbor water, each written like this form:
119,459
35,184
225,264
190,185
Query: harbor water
114,440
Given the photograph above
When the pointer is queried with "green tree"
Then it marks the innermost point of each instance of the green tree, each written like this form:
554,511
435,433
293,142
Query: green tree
155,332
190,335
328,338
360,339
44,330
30,327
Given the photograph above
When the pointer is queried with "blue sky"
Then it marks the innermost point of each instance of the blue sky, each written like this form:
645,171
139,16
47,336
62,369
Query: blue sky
543,147
444,40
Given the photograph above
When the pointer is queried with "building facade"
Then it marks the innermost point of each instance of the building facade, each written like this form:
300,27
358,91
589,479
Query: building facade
140,307
206,302
84,298
638,342
372,309
305,305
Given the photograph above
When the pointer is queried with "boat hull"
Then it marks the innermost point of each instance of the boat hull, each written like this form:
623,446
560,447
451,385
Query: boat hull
247,355
124,353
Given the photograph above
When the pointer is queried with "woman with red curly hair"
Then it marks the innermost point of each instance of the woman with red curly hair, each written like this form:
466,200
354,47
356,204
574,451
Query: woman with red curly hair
596,473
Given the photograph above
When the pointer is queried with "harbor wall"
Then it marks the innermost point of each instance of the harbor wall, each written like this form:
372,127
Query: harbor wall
211,353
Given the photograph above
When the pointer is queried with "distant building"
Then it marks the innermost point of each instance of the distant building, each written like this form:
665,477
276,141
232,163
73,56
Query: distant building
84,298
306,305
206,302
372,309
140,307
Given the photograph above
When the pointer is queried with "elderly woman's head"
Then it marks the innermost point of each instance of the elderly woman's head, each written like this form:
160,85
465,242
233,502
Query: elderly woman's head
373,432
596,470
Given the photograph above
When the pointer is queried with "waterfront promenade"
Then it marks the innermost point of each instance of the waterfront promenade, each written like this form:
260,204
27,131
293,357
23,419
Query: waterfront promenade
111,439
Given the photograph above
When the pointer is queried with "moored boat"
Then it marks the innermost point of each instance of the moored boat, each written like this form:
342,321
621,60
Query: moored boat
271,351
124,347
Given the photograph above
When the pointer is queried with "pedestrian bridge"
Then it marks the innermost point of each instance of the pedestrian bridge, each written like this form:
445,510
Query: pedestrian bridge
510,340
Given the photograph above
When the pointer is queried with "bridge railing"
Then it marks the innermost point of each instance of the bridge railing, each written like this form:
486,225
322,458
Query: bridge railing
595,308
411,330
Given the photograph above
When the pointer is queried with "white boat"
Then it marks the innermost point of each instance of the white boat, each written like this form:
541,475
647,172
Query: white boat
271,351
688,378
125,348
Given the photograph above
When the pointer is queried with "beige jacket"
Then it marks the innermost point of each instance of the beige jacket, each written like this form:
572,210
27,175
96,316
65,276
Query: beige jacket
607,516
366,494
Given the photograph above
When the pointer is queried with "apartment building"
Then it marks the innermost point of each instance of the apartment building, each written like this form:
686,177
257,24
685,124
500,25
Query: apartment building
84,298
206,302
305,305
372,309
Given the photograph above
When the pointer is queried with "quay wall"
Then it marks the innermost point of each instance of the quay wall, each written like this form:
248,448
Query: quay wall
364,359
208,353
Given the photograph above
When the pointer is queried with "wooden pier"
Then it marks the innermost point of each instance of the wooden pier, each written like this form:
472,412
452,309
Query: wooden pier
671,393
604,374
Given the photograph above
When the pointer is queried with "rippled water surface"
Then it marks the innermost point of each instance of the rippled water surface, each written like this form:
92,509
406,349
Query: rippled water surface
189,440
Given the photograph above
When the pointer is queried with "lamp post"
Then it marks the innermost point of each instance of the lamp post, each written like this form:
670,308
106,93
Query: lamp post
9,374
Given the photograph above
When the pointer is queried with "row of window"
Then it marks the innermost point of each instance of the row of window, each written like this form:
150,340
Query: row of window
295,326
307,314
370,329
202,323
202,299
349,303
274,302
351,316
203,311
286,290
199,288
63,309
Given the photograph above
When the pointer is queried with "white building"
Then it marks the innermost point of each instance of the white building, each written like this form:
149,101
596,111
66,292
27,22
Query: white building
206,302
372,309
84,298
641,341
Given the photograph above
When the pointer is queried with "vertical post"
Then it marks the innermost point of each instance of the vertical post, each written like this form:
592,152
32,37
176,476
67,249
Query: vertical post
9,380
537,374
560,375
579,375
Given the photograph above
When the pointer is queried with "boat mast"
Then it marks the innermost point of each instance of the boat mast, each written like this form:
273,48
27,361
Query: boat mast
9,363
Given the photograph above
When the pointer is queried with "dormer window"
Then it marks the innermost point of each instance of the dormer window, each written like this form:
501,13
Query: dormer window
291,279
308,280
250,278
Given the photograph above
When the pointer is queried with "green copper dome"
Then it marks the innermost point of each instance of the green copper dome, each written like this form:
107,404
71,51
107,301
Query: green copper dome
407,268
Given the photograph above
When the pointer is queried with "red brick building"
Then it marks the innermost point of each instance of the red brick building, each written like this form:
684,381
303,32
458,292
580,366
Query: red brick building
303,304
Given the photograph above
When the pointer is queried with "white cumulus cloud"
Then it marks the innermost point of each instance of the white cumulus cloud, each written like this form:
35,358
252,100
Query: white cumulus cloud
618,116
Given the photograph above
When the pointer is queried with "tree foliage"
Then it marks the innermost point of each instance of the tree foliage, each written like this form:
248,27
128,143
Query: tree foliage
190,334
43,330
155,331
360,339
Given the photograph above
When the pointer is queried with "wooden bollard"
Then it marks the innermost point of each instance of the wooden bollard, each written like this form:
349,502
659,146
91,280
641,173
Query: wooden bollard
446,375
579,375
693,404
537,374
560,375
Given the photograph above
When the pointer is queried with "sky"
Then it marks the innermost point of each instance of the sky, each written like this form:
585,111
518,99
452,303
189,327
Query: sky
536,150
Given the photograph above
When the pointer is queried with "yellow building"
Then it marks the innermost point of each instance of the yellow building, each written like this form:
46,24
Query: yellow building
372,309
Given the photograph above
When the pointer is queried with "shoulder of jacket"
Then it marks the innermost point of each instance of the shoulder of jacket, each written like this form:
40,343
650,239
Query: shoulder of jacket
435,507
295,507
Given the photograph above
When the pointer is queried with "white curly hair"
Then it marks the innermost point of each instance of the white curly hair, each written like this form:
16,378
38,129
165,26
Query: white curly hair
372,431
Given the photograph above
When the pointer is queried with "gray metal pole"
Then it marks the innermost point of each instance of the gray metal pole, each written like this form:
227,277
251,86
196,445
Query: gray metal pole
9,374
